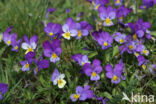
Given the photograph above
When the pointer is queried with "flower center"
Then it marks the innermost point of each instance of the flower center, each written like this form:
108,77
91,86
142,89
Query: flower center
121,40
37,69
118,1
108,21
79,33
115,77
145,52
130,47
27,65
144,7
121,17
76,96
82,63
105,44
136,54
16,47
144,66
51,34
94,74
54,56
8,42
67,35
97,7
60,81
134,36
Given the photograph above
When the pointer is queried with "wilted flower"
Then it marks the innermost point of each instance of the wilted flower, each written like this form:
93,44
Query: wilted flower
81,59
3,89
93,70
52,50
53,30
103,38
120,38
115,74
107,14
29,45
69,29
58,78
82,93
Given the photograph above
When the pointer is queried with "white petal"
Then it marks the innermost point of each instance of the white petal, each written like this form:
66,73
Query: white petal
33,45
55,81
61,76
25,46
62,84
65,28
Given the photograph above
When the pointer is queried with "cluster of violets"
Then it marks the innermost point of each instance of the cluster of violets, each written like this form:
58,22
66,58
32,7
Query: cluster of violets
132,44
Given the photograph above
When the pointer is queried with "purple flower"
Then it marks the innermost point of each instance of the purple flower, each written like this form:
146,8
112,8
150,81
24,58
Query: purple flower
29,59
141,48
147,3
115,74
152,69
131,47
7,38
141,60
58,78
52,50
93,70
103,39
120,38
98,3
49,10
16,45
41,64
29,45
107,14
81,59
3,89
83,29
122,11
53,30
118,2
68,10
69,29
82,93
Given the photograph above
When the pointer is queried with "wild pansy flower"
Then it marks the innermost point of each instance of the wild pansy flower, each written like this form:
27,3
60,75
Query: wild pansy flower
52,50
16,45
152,69
49,10
58,78
142,61
41,64
79,16
115,74
120,38
98,3
93,70
53,30
81,59
9,38
29,59
29,45
83,29
82,93
107,14
147,3
118,2
131,47
122,12
139,28
142,50
103,38
69,29
3,89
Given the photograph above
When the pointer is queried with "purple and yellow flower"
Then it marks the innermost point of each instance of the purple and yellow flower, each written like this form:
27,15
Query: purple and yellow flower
107,14
83,29
16,45
147,4
29,45
114,75
52,50
141,48
120,38
142,61
82,93
3,89
29,59
98,3
131,47
81,59
103,38
93,70
118,2
58,78
9,38
69,29
41,64
53,30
